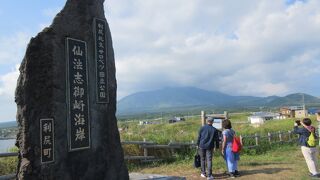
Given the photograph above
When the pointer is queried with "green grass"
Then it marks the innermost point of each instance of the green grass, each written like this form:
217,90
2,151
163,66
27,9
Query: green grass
252,157
274,164
161,133
239,117
8,165
188,131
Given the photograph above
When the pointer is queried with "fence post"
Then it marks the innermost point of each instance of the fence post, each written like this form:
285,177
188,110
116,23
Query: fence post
269,137
257,139
280,136
226,114
289,135
241,141
203,118
171,149
145,150
318,119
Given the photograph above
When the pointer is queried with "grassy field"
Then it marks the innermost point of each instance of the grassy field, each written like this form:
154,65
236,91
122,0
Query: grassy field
284,162
188,130
275,164
8,165
277,161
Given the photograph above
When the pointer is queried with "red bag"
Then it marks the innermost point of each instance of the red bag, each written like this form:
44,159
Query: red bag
236,144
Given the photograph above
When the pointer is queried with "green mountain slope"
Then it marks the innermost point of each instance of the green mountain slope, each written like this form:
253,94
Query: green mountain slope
179,97
8,124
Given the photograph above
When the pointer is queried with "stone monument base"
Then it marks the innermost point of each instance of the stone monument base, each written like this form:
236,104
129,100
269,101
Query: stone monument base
139,176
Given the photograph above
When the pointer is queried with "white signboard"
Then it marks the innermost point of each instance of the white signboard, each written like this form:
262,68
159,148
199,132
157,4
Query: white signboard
217,123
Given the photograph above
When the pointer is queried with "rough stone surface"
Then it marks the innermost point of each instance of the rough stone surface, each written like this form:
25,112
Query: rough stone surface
41,93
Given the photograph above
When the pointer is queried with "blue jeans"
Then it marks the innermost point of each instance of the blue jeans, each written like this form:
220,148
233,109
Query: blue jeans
231,159
206,154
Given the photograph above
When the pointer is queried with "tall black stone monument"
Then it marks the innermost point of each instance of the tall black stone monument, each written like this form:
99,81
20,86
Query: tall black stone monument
66,98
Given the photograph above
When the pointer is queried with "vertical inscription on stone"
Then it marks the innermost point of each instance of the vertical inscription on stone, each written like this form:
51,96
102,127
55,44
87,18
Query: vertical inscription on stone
77,95
101,60
47,140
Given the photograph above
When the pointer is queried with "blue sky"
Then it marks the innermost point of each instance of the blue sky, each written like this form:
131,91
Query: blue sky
247,47
290,2
25,16
21,20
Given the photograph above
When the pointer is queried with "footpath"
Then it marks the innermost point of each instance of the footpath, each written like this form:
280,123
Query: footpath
139,176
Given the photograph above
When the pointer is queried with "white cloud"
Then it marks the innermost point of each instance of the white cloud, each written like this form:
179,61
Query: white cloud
8,82
7,88
266,47
51,12
245,48
12,50
13,47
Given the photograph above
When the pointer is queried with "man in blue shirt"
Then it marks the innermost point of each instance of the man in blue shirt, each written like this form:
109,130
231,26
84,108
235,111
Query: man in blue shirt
208,139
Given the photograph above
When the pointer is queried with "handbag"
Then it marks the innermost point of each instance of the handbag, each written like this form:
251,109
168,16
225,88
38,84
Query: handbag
197,161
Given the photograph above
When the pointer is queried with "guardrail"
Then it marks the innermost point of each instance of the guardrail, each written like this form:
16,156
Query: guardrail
6,138
8,154
8,177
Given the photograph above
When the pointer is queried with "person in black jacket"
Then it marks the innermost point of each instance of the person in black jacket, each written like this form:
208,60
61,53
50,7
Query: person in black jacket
208,139
310,153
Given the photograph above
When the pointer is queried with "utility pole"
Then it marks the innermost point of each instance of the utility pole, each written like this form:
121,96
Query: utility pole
304,106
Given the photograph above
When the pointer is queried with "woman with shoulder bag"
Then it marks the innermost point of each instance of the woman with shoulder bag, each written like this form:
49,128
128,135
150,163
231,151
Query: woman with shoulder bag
230,157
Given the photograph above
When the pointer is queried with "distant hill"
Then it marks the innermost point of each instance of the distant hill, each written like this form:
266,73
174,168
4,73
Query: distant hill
8,124
295,99
179,97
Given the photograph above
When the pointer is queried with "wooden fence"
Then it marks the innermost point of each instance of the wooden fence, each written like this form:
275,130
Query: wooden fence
147,145
248,141
253,141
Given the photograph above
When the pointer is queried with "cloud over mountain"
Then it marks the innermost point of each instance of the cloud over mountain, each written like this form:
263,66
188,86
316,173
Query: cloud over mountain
248,47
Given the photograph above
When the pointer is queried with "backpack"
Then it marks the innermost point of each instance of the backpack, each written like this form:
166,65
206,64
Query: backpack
236,144
311,140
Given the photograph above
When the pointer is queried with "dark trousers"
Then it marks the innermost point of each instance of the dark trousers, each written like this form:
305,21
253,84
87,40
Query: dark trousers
206,154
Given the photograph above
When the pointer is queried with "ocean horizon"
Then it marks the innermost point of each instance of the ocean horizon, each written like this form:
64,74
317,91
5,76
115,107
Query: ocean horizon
6,145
